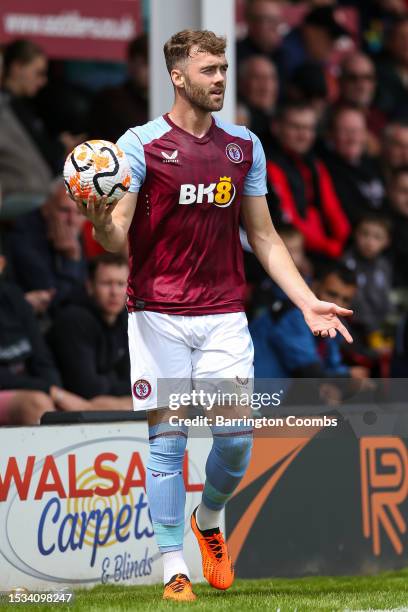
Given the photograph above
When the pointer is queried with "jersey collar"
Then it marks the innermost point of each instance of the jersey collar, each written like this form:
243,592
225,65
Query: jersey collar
204,139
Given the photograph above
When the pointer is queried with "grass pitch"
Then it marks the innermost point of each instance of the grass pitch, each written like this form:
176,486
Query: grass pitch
388,591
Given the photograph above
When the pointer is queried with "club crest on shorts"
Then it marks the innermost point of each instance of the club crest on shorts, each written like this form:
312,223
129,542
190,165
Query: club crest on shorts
142,389
234,153
242,381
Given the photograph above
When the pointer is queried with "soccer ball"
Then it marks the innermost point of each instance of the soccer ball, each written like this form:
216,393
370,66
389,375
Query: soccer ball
97,167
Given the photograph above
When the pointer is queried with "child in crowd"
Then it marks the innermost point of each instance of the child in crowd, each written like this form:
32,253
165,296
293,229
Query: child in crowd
372,236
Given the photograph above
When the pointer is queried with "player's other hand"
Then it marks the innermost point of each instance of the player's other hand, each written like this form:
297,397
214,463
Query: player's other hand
323,319
97,210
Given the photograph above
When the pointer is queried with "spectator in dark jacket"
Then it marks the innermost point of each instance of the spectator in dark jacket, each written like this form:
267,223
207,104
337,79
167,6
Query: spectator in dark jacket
305,195
25,73
90,341
29,381
45,249
284,347
355,175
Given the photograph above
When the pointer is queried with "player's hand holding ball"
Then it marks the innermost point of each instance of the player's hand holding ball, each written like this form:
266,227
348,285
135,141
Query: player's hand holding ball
97,175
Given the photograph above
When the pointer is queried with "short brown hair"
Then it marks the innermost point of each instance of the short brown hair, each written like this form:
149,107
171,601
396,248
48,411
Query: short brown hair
21,51
138,48
178,47
105,259
375,218
339,109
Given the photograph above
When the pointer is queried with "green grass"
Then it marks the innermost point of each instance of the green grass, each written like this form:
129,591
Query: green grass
382,592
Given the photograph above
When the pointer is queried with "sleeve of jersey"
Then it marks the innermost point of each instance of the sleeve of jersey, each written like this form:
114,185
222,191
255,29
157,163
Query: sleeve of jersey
255,181
133,148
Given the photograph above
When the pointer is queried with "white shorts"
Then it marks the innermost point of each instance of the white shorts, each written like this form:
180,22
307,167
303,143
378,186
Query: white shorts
170,353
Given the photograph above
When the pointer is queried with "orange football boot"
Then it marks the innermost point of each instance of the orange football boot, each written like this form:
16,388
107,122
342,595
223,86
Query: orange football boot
179,588
217,563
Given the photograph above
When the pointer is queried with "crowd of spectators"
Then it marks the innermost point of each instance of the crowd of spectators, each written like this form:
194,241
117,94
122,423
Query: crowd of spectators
324,85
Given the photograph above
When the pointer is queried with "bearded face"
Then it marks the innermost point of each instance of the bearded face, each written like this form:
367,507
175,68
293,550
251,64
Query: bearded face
208,98
201,80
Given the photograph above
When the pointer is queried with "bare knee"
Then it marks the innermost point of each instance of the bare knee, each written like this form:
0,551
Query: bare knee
28,407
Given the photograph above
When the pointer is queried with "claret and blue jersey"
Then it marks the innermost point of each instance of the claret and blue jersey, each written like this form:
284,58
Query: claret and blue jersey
185,251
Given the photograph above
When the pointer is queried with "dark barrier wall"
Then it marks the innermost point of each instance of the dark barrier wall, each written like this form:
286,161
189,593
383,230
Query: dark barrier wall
327,504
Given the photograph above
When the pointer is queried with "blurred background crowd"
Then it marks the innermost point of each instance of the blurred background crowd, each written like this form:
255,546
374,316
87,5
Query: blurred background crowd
324,85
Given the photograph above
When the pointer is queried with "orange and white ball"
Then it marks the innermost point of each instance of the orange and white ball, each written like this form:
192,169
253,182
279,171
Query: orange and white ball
97,167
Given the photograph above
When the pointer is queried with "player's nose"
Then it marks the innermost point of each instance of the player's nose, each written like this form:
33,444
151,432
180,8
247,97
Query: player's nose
220,76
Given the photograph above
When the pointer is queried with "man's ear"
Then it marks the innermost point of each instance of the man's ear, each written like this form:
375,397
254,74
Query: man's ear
177,77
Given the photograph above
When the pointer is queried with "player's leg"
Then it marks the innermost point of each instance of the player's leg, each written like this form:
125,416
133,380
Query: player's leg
226,465
167,495
227,357
159,353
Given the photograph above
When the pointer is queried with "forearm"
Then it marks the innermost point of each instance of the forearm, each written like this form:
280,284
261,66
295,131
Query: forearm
277,262
112,237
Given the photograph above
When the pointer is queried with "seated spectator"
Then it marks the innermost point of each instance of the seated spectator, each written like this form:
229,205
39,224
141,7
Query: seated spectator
306,197
115,109
23,169
397,192
45,248
284,346
393,69
366,259
355,175
314,41
89,339
265,29
29,381
258,88
358,84
25,73
395,146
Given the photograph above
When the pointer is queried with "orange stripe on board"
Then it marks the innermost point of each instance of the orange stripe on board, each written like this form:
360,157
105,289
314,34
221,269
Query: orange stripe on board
263,458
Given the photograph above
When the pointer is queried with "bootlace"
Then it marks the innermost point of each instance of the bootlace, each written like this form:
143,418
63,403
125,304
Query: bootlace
178,584
215,542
